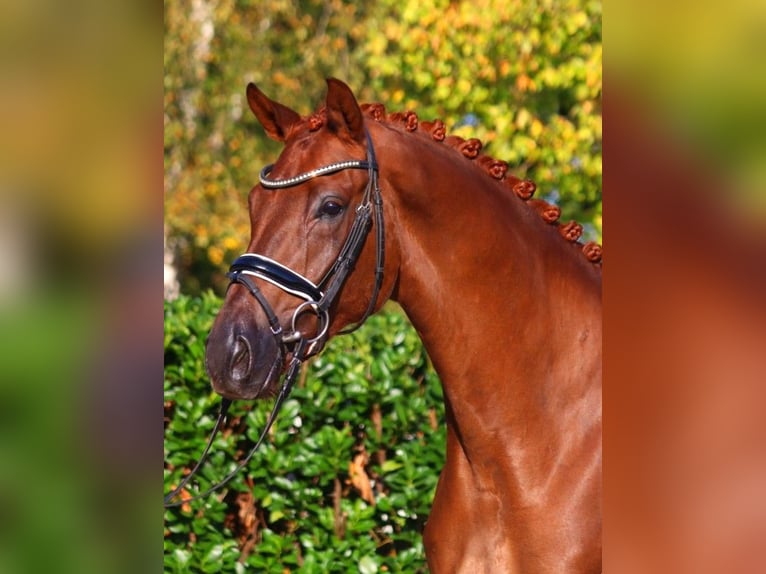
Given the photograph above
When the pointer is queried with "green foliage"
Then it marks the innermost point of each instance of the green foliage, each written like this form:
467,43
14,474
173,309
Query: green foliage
525,77
369,407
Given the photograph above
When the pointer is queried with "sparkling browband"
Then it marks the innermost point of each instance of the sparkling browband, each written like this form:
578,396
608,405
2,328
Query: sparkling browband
324,170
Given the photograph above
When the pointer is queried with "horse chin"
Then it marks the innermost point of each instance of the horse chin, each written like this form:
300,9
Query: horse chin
256,389
269,386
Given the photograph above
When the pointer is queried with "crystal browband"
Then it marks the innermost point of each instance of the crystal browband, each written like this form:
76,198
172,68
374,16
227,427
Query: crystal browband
324,170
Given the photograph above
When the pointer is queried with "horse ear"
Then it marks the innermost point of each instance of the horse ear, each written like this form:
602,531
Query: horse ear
275,118
343,112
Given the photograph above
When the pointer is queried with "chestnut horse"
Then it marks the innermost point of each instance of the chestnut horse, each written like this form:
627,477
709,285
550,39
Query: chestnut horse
505,299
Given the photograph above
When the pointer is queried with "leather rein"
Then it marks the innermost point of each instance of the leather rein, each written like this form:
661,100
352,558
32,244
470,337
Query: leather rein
318,298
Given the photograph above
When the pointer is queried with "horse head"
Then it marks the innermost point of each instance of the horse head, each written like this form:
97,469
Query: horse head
310,269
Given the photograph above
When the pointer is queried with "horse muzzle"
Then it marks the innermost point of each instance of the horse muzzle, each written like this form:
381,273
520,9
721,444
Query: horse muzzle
244,357
242,360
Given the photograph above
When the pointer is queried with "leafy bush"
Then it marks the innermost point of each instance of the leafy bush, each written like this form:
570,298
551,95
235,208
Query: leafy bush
344,482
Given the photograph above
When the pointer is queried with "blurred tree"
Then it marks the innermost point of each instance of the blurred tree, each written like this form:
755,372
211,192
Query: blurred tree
525,77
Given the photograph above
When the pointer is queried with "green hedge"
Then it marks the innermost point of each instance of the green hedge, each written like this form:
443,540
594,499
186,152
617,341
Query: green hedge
370,397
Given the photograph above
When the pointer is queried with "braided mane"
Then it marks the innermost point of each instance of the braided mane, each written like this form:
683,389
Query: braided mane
497,169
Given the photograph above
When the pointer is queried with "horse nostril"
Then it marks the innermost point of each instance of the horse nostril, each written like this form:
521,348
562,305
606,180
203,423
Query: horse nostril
240,359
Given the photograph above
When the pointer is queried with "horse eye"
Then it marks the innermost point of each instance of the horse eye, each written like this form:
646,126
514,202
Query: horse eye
331,208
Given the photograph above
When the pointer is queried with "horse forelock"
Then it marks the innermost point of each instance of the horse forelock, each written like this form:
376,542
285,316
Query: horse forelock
471,149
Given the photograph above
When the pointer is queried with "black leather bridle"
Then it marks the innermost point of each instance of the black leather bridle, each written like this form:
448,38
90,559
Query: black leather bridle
318,298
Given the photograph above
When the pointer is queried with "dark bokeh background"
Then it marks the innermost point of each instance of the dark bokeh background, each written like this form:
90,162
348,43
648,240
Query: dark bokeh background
81,307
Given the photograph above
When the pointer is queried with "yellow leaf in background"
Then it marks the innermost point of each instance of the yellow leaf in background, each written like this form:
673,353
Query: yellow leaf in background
523,82
211,189
215,254
377,45
230,244
522,118
279,78
200,235
580,19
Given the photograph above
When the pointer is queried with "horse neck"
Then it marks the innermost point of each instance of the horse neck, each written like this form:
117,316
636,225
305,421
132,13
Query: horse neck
508,310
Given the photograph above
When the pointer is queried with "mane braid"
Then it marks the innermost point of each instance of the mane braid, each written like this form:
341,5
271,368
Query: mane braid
497,169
